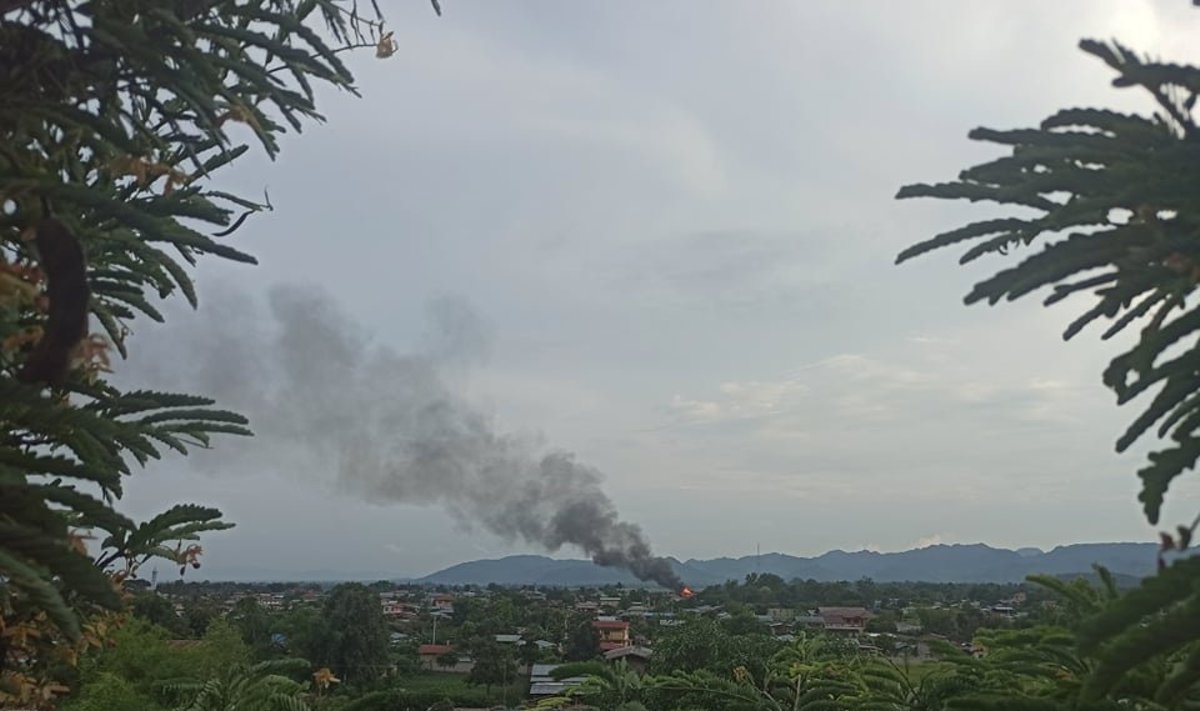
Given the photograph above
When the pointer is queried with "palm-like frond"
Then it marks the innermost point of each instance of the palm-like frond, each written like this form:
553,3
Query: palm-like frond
1114,199
116,116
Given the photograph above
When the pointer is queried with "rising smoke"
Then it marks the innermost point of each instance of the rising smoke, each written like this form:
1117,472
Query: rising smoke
390,426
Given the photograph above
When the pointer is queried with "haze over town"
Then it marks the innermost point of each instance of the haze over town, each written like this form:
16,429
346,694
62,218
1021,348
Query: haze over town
675,247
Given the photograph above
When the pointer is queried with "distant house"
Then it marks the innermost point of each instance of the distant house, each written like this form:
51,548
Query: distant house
610,602
781,614
397,610
442,603
429,655
638,658
614,634
542,683
844,620
508,638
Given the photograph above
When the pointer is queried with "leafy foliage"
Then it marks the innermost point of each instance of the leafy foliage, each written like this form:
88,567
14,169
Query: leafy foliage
702,644
116,115
140,658
494,663
353,638
1123,189
583,643
266,686
1114,197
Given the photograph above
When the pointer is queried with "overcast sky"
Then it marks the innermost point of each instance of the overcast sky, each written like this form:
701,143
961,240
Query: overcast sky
675,223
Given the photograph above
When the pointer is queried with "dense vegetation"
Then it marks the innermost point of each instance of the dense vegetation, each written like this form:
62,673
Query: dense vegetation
180,628
922,640
1115,200
117,117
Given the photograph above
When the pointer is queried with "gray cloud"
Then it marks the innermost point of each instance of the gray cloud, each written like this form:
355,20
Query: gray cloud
650,200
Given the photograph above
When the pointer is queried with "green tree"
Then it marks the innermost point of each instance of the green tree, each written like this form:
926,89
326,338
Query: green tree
528,652
494,664
743,622
116,117
198,614
939,621
108,692
142,657
810,674
139,655
158,610
885,643
606,686
583,643
702,644
221,648
266,686
405,659
448,659
1113,200
302,630
353,639
254,623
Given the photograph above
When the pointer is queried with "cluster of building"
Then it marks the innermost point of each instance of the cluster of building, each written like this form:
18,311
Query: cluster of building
624,628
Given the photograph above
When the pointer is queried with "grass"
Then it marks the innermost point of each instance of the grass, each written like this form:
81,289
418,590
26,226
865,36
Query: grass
455,685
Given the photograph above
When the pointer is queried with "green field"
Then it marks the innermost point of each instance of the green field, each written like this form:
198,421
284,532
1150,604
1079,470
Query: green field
455,686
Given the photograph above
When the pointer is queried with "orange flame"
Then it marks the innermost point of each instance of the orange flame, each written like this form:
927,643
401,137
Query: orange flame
686,592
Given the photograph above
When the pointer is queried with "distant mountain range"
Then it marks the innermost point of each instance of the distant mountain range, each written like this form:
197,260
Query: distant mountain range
941,563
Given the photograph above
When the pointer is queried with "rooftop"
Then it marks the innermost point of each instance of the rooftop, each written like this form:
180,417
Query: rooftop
633,651
542,683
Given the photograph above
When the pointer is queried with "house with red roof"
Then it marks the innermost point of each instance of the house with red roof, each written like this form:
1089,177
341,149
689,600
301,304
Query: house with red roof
432,655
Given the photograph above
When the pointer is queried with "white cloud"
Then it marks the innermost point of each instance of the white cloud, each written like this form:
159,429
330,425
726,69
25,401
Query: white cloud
850,390
935,539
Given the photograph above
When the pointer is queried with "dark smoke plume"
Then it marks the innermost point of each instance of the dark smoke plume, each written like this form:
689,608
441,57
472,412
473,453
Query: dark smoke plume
392,426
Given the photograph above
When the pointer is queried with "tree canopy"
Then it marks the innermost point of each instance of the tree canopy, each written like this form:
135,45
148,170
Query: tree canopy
1114,200
117,118
353,637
